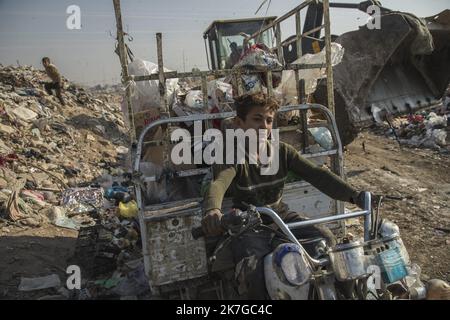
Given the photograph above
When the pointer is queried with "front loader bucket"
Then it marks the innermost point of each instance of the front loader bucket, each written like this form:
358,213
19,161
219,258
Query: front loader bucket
400,68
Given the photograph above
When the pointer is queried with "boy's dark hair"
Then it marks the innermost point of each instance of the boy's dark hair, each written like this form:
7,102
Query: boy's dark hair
45,59
245,103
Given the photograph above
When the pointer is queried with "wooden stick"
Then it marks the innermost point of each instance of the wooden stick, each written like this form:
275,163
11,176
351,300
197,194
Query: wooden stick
46,171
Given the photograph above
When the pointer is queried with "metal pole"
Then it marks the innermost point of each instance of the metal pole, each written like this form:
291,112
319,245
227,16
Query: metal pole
239,82
269,83
304,128
224,72
278,40
162,78
124,64
344,5
298,31
204,92
330,87
298,87
367,217
207,55
205,98
307,223
339,162
303,113
163,108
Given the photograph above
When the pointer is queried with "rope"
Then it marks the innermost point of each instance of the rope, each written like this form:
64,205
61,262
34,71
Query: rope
132,84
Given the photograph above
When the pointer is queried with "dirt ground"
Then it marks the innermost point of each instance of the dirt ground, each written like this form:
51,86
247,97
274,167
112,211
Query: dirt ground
419,177
33,252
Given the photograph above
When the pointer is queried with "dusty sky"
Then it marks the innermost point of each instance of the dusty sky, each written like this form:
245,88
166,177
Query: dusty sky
31,29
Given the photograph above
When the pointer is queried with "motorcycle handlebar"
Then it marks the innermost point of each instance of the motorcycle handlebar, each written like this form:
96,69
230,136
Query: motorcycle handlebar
198,231
227,221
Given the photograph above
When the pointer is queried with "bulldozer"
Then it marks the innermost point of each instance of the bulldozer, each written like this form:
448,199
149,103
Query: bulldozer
399,68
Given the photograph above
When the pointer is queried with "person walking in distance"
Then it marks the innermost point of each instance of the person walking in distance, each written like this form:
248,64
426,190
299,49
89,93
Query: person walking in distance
55,77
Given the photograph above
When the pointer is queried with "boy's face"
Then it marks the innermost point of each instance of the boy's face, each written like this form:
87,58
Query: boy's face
45,63
257,118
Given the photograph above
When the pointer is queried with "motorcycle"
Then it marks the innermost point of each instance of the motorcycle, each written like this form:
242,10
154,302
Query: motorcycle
376,267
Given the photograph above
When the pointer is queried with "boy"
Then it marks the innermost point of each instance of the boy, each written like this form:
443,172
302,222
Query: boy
255,112
53,74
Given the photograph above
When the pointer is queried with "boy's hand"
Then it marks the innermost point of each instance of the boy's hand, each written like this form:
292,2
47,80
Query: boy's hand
211,223
360,200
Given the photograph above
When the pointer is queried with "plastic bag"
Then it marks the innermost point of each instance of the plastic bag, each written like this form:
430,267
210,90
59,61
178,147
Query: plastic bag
58,218
433,120
181,110
440,137
128,210
252,84
432,139
80,200
145,94
220,94
323,137
194,99
38,283
258,57
288,86
376,112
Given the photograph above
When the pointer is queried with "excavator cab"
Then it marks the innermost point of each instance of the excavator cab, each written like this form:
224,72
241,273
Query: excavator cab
225,39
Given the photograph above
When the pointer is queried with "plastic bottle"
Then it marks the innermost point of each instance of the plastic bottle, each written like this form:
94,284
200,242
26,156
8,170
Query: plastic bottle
417,290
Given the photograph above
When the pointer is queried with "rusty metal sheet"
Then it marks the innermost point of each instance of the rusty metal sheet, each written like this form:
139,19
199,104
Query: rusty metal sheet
174,255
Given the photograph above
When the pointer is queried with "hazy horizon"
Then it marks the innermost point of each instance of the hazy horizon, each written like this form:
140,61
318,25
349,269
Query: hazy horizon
30,30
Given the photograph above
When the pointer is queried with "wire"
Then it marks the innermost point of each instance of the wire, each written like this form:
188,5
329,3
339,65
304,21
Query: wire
265,15
260,6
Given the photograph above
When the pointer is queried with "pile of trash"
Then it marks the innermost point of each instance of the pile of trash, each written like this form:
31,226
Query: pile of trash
66,166
110,252
183,96
51,155
426,129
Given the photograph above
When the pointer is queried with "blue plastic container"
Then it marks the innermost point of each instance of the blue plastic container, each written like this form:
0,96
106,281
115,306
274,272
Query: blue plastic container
392,264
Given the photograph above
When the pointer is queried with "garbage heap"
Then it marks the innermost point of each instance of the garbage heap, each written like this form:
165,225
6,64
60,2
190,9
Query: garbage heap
49,152
424,129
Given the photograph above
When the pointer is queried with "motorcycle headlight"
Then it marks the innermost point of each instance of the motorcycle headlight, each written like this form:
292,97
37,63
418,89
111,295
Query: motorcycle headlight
292,262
